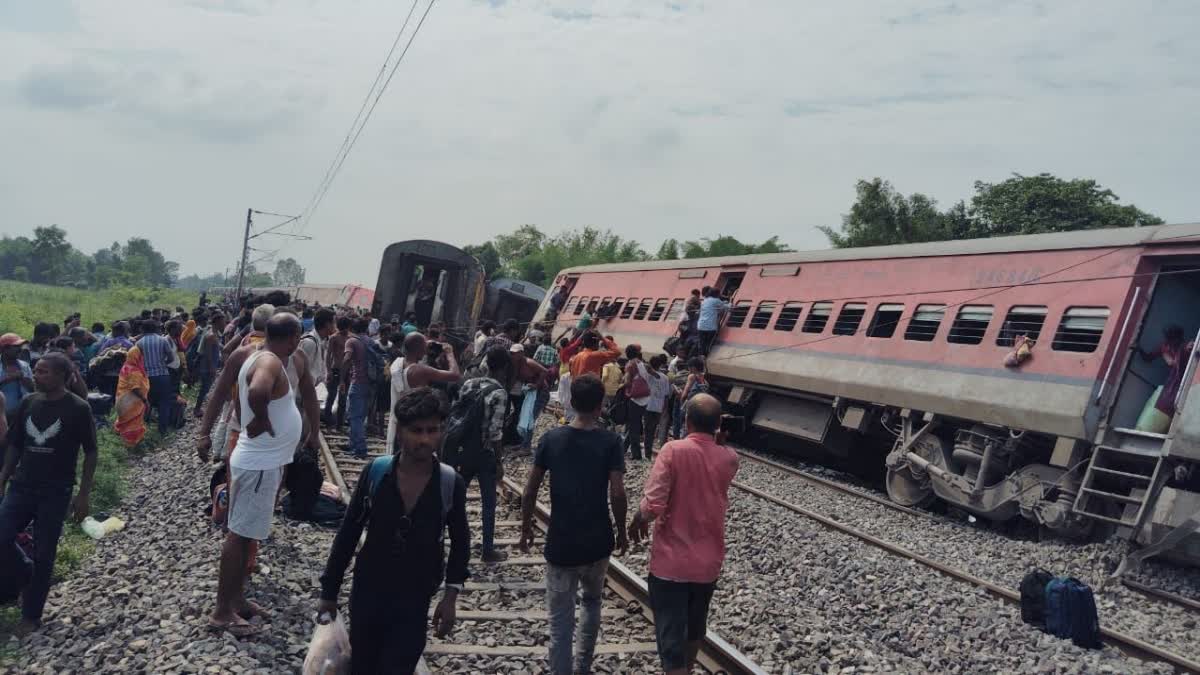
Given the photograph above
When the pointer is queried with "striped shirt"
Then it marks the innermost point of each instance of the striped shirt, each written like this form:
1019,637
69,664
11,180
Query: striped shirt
157,352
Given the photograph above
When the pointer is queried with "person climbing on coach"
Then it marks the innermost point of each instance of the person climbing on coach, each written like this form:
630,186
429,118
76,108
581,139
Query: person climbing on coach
405,505
587,479
51,426
712,309
686,497
272,428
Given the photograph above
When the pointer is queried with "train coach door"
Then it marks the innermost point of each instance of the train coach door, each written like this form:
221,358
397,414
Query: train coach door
729,281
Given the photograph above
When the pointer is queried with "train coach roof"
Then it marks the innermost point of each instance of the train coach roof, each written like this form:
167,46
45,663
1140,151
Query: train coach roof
1104,238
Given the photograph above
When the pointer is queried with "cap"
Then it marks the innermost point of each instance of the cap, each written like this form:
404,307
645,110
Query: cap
516,348
11,340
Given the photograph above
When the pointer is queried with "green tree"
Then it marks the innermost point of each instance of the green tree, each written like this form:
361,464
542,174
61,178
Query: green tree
288,272
1046,203
881,215
50,253
20,273
726,245
669,250
487,256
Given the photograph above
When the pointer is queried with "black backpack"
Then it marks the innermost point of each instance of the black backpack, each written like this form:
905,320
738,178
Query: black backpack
462,442
1033,597
195,350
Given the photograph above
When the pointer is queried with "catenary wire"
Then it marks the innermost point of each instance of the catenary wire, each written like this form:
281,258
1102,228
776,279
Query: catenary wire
367,117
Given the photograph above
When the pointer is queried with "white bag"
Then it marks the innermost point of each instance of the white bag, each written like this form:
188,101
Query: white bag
329,650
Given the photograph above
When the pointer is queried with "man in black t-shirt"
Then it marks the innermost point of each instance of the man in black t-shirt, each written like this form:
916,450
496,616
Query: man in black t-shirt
49,429
587,472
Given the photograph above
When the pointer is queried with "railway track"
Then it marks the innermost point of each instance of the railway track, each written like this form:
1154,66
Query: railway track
1126,643
502,610
1147,591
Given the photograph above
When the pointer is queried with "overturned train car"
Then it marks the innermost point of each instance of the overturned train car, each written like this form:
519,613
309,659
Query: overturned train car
916,345
442,283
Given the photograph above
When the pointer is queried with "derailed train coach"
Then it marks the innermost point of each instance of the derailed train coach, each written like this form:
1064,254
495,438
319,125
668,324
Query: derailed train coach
1003,376
439,282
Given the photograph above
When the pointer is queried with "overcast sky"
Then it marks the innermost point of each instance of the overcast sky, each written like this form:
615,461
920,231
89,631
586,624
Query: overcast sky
168,118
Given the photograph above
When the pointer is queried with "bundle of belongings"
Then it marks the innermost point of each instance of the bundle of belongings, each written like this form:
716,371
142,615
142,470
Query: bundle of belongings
1061,606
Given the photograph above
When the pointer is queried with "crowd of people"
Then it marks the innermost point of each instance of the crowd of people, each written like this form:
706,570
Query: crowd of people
449,409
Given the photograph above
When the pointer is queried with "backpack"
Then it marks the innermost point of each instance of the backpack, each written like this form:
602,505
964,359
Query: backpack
194,352
379,469
462,443
1033,596
1071,612
1084,624
698,387
671,345
376,360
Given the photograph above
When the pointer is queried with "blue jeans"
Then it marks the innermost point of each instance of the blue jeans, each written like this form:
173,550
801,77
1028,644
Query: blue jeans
46,507
162,397
358,395
531,409
486,473
560,600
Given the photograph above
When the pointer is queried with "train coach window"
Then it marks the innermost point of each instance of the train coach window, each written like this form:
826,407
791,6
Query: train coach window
849,318
1021,320
884,323
924,323
579,307
592,305
789,316
643,308
818,316
737,316
675,313
970,324
1080,329
571,302
762,315
627,311
660,308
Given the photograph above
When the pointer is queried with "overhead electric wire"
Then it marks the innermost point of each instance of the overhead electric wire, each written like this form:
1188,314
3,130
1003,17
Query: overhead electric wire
353,135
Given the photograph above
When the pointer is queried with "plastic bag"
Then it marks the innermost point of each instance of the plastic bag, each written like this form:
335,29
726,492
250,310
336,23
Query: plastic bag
329,650
96,529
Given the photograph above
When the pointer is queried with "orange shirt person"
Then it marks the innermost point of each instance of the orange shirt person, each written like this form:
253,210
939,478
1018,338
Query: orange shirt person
593,357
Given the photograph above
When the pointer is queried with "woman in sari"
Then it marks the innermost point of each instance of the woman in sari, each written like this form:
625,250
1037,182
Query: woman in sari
133,389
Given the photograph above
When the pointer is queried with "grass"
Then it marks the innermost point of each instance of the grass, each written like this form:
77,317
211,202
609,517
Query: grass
23,305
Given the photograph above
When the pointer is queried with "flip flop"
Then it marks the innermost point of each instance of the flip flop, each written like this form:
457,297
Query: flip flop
235,628
252,610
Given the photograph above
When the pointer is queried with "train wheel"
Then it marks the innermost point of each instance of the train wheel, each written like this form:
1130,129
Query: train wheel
910,486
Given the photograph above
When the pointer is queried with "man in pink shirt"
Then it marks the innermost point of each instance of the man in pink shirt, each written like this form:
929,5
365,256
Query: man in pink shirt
688,494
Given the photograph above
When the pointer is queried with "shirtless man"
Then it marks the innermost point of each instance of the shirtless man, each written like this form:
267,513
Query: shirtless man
273,428
411,372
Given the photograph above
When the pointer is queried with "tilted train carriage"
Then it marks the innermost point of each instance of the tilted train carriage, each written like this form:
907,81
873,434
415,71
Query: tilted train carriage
908,343
457,293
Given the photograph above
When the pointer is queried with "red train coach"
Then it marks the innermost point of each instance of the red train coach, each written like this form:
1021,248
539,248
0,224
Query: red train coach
910,342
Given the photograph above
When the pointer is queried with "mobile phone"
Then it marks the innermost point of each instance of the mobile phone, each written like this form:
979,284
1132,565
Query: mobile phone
733,424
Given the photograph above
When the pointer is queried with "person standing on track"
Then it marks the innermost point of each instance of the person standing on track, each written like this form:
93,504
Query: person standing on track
357,385
160,357
272,428
688,494
49,429
411,372
587,477
334,352
484,401
402,563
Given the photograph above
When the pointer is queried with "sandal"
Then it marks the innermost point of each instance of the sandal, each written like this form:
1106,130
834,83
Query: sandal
238,629
252,610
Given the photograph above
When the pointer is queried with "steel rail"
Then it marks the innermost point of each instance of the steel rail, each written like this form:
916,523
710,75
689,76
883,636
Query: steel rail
1127,643
716,654
1137,587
